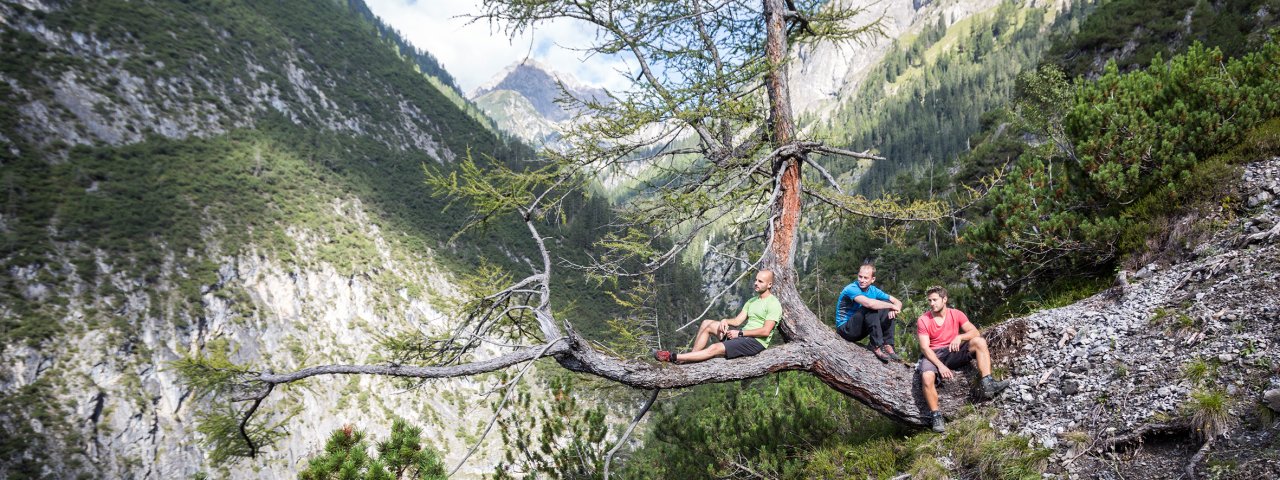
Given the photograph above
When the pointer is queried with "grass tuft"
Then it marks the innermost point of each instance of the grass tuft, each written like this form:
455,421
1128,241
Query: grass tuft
1198,370
1210,412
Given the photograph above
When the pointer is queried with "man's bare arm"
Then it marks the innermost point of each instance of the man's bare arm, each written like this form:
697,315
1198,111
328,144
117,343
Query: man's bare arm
876,304
762,331
735,321
968,332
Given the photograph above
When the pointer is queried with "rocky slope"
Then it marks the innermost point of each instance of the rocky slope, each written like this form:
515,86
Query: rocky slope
1113,384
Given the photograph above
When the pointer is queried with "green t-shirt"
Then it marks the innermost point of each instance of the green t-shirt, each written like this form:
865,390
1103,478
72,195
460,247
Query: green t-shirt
758,311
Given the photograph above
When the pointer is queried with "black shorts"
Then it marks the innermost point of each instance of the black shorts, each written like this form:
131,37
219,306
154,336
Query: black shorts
742,347
952,360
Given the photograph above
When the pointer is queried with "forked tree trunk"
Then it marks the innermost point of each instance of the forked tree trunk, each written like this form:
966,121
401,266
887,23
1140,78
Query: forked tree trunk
812,346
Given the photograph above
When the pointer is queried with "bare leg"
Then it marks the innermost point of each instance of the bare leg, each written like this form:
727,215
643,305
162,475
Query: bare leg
715,350
979,348
705,332
930,391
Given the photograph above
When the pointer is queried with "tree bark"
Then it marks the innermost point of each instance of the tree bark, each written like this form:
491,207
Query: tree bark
786,207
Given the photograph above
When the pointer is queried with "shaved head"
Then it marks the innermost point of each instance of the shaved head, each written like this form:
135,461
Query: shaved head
764,281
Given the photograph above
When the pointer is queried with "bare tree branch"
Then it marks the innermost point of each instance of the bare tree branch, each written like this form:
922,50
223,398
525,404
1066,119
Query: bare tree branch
248,414
608,458
555,347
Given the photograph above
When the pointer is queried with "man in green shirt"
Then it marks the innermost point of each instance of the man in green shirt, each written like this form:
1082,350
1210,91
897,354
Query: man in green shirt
761,314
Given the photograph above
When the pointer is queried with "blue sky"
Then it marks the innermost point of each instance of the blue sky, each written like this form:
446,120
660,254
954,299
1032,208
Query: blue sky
474,53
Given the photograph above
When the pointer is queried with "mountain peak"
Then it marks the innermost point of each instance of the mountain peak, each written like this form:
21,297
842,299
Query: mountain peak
540,84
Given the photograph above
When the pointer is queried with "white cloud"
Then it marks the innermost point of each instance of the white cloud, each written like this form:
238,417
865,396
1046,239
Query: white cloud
473,53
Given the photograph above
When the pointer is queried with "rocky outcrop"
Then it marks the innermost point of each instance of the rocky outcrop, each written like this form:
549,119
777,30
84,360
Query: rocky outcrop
1136,363
514,114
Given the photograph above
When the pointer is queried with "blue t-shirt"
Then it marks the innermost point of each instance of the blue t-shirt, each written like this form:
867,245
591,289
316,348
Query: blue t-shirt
846,307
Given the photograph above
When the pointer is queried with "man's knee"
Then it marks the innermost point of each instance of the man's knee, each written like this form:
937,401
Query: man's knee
927,379
978,344
716,349
709,324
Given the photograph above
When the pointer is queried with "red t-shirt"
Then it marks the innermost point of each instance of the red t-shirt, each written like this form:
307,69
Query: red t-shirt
941,335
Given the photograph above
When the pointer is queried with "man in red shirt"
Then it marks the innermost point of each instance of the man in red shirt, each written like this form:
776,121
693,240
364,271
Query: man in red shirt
943,347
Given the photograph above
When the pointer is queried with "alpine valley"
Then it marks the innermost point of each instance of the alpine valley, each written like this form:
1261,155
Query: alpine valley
246,182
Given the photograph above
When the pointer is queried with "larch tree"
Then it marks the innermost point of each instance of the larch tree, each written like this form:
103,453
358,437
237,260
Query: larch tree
709,111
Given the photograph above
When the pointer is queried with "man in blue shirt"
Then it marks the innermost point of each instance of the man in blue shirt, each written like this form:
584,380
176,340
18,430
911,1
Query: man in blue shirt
864,310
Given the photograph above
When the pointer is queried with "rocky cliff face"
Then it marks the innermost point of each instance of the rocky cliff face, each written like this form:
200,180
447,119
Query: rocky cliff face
95,304
1131,382
514,114
128,415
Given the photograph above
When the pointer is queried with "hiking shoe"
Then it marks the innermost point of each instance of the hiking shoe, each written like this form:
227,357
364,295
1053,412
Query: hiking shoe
665,356
888,349
936,423
881,354
991,388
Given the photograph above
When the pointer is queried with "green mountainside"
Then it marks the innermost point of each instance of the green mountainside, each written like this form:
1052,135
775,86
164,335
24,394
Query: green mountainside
1133,32
921,103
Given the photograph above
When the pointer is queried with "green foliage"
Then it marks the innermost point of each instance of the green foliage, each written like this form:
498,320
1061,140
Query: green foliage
1137,131
1134,32
877,458
493,191
402,456
211,373
220,427
226,433
1132,136
793,426
1151,26
765,424
32,423
170,211
572,434
975,444
1199,370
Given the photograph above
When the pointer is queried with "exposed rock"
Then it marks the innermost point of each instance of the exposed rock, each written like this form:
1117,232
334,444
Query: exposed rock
1070,387
1129,355
1272,399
